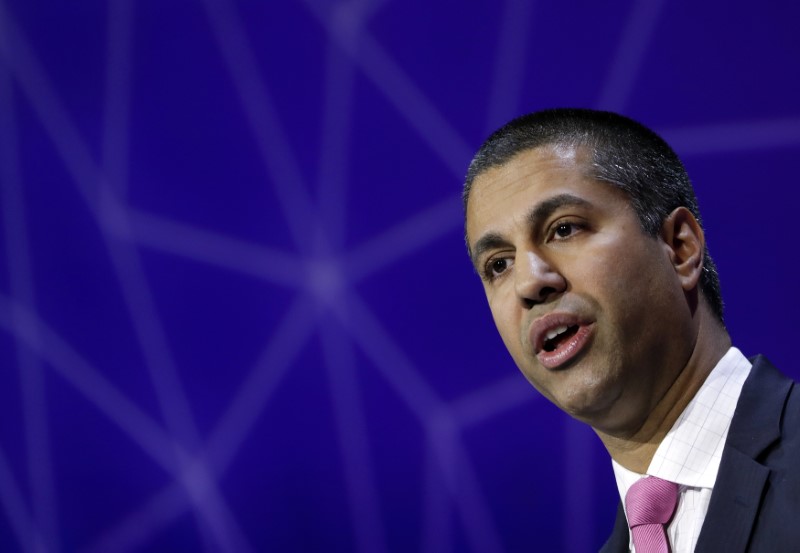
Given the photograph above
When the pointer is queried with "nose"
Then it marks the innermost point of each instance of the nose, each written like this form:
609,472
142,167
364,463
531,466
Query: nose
536,280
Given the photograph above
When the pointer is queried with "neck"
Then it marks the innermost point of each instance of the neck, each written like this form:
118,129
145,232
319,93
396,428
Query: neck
635,449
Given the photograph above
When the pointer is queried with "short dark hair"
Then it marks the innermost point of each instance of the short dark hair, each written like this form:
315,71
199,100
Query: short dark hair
622,152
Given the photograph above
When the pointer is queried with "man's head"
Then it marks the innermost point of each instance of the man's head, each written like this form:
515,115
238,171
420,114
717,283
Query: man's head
592,259
621,152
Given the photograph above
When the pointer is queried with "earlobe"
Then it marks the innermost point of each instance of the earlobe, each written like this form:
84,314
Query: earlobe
685,243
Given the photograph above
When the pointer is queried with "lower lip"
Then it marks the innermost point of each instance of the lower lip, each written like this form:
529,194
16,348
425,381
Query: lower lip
566,351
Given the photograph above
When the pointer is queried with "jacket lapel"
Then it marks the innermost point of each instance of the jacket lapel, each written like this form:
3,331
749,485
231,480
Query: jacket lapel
734,504
741,478
618,541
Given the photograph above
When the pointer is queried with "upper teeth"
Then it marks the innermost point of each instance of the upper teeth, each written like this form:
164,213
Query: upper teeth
555,332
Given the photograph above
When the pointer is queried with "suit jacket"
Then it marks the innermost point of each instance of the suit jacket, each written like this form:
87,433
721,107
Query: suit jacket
755,505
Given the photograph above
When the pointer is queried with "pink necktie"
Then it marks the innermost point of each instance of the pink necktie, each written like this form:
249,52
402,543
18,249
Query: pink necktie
650,503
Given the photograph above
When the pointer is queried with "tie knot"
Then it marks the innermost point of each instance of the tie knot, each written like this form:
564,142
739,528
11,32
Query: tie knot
651,501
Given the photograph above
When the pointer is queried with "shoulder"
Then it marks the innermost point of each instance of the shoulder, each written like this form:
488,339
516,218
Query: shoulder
766,428
767,416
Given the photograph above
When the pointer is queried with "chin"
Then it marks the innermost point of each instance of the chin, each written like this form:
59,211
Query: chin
591,405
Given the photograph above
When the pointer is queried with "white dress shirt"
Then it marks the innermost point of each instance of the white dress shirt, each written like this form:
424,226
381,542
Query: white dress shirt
691,451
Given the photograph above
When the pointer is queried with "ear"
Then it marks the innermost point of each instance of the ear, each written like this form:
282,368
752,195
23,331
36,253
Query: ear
685,244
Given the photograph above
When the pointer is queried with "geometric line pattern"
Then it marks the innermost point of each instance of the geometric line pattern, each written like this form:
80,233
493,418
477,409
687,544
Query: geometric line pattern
357,364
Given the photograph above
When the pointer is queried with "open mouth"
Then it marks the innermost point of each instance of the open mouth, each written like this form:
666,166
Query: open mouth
557,336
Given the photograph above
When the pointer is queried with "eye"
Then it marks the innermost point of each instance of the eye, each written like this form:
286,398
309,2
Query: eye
498,266
565,229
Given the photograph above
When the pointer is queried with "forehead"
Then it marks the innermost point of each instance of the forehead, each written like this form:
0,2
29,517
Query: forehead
530,177
549,159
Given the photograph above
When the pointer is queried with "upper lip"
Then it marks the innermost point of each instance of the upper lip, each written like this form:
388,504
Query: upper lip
541,326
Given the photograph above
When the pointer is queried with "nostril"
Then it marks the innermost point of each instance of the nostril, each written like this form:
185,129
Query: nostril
543,295
546,292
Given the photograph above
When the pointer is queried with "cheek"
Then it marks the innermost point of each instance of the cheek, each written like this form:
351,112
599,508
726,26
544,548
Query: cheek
620,279
641,288
628,262
506,319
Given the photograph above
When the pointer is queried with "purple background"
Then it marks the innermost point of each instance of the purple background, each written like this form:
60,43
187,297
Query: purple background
236,313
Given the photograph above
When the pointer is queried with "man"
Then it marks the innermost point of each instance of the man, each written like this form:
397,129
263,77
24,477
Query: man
585,230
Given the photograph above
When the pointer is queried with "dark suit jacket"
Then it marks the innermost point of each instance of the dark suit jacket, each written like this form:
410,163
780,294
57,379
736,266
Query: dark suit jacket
755,505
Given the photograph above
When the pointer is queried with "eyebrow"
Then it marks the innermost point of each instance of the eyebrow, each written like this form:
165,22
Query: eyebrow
537,214
545,209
